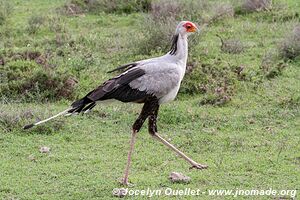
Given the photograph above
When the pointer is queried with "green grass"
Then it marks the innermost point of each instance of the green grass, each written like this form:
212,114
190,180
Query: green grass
251,142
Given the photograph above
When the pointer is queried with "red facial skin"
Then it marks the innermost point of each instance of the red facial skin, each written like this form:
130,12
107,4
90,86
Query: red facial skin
190,27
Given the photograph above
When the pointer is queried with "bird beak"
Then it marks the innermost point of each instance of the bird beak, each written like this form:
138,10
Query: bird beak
194,29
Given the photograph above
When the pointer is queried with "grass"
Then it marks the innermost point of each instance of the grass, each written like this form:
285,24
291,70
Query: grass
251,142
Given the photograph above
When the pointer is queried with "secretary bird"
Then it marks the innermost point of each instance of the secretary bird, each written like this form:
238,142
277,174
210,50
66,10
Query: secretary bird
153,82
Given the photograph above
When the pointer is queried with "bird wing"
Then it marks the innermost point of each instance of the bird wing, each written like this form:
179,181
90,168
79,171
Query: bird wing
159,78
118,87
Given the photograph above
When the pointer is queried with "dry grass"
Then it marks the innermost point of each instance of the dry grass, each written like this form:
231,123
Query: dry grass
256,5
79,7
234,46
290,47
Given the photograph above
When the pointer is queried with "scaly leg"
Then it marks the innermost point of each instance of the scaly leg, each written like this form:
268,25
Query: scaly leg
126,173
153,131
192,162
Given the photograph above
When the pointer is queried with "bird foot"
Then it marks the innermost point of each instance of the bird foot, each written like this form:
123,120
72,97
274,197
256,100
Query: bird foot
124,182
198,166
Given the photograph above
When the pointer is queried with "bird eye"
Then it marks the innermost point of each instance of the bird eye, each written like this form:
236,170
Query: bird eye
188,26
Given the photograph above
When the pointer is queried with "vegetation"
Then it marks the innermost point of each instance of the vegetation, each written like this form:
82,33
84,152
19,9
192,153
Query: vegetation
237,110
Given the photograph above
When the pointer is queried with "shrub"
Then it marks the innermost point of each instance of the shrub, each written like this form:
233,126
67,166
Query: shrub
25,79
290,47
254,6
215,80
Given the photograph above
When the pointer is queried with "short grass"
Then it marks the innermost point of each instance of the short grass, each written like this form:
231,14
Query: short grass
252,142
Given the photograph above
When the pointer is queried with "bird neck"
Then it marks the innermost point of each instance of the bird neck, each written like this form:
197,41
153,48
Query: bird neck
179,48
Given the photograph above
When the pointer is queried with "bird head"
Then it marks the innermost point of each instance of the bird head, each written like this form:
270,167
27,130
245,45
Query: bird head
186,28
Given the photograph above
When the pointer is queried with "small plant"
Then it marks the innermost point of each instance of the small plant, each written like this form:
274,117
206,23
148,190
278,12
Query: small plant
6,8
289,49
34,23
233,46
272,65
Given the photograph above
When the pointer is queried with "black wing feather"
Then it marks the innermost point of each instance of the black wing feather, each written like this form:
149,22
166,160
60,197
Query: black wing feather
108,87
115,88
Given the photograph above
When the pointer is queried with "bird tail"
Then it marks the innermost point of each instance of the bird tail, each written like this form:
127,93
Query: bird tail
80,106
45,120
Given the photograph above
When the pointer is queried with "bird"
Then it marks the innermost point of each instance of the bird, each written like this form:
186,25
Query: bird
151,82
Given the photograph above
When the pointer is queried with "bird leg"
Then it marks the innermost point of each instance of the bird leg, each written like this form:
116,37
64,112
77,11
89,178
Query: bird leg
192,162
147,109
126,173
153,131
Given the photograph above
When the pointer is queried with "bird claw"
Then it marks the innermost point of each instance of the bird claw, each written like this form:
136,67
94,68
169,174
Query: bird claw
125,183
199,166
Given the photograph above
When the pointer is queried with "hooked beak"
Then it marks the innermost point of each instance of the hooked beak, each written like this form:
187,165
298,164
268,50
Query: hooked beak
194,29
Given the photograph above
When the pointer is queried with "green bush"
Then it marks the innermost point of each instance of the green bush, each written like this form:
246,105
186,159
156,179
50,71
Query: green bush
215,80
26,80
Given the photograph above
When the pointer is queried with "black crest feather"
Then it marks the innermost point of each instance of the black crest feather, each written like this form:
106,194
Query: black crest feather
173,49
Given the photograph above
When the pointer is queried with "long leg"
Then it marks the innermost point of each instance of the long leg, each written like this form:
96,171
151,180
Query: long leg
153,131
126,173
148,107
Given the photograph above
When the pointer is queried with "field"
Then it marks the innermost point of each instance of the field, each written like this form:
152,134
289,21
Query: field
237,110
